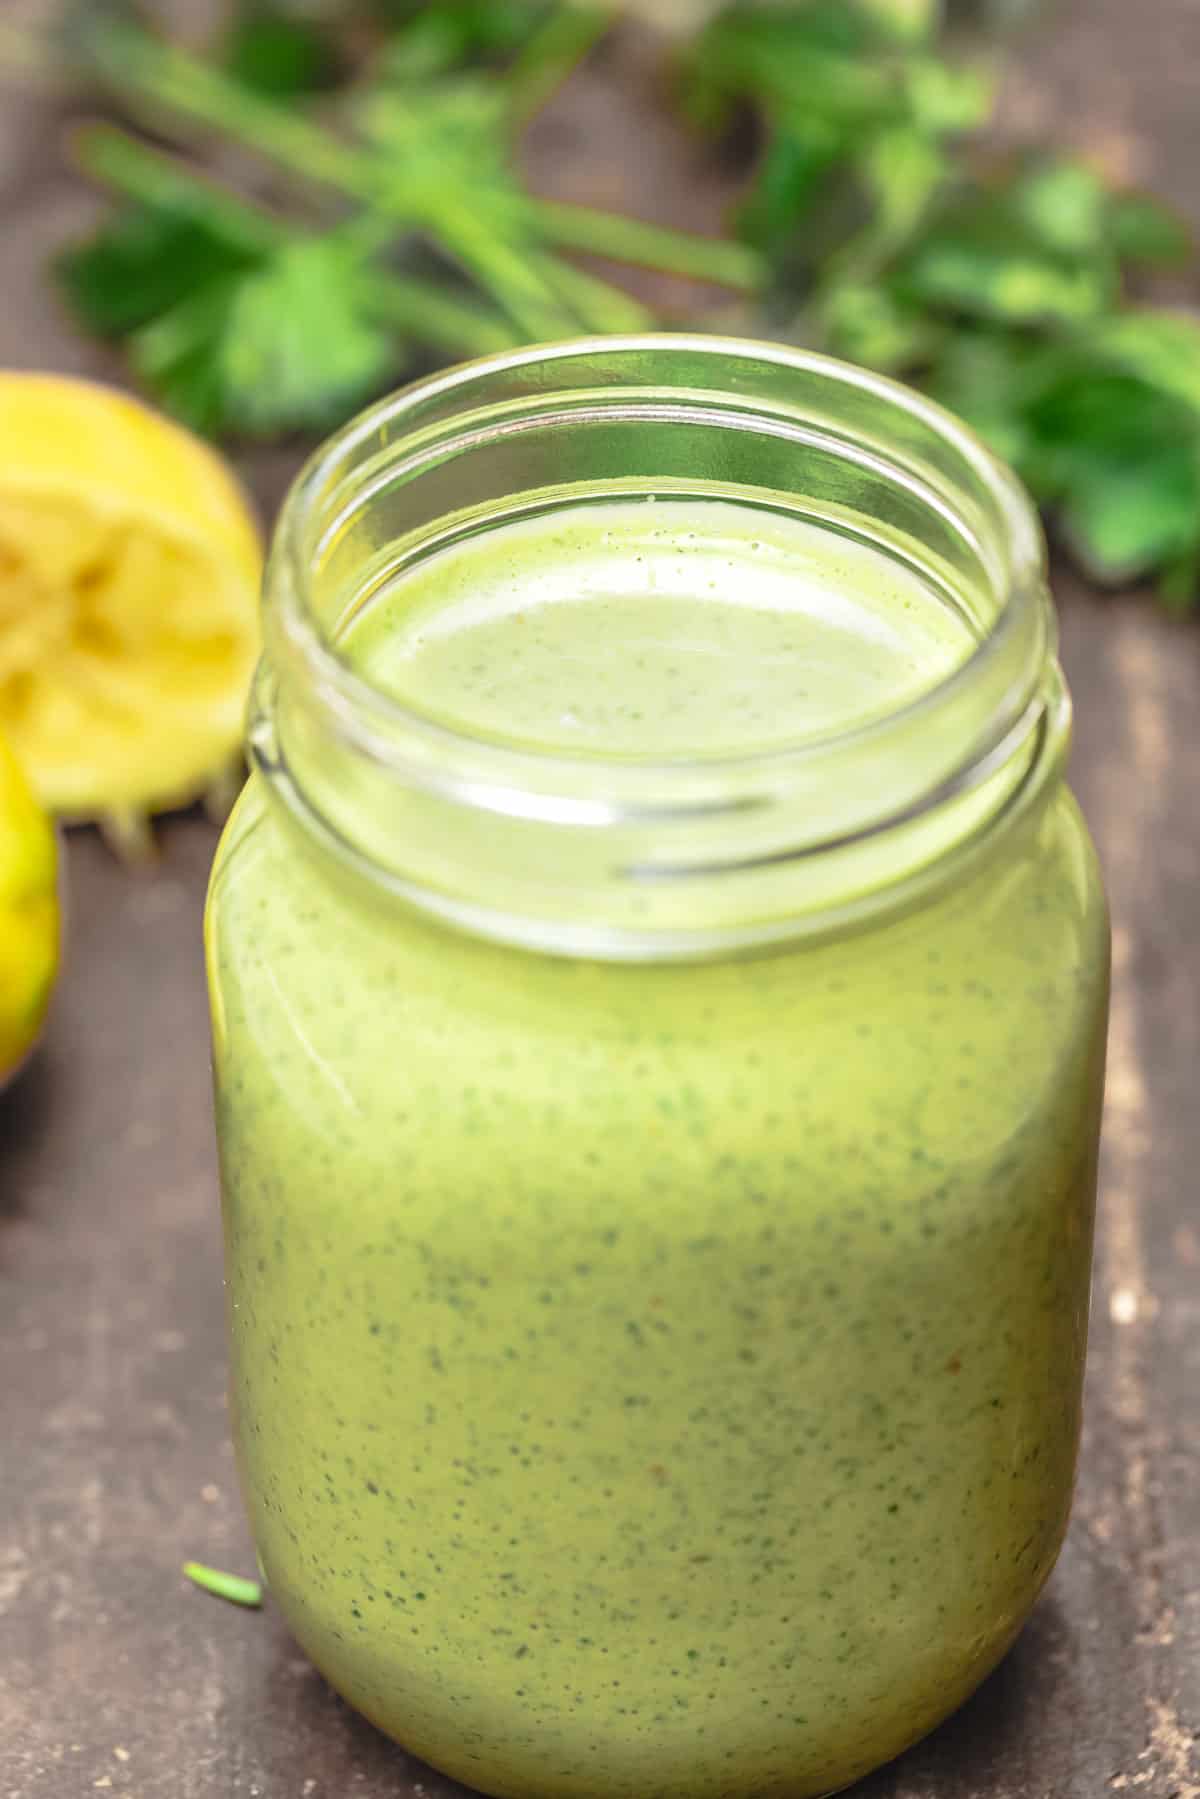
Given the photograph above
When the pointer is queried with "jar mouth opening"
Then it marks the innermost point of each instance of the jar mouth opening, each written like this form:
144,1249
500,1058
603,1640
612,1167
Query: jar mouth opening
745,388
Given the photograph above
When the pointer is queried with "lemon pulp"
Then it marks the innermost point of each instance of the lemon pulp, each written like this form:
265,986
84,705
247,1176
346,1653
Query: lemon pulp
129,568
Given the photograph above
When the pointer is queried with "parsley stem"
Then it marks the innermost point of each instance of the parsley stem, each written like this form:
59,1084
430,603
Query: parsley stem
422,309
636,241
131,61
172,79
505,270
598,305
551,55
124,164
426,311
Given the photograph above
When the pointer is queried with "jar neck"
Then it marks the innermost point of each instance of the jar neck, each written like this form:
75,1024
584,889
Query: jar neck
638,857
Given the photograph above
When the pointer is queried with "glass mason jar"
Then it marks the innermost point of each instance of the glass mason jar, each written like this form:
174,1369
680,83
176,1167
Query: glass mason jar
658,1167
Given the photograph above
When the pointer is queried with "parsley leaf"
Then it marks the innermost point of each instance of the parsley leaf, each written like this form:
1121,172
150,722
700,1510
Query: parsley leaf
295,343
1113,455
1123,522
434,40
301,348
1146,231
176,355
142,263
278,51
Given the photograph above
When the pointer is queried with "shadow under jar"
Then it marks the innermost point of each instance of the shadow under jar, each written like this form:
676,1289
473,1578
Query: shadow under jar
659,982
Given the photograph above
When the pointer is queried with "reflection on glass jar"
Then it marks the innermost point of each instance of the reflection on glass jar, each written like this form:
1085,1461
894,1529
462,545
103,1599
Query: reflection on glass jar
659,983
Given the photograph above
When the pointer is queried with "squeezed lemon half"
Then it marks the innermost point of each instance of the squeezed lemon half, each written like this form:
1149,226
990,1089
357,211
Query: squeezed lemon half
129,573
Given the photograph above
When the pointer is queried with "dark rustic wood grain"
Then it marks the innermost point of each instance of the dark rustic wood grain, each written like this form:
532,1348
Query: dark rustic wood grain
115,1676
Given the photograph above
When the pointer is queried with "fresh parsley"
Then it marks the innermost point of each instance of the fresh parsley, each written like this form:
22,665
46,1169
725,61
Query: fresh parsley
879,222
1005,287
400,232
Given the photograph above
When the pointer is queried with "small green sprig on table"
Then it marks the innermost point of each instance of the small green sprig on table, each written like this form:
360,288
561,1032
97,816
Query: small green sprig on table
233,1587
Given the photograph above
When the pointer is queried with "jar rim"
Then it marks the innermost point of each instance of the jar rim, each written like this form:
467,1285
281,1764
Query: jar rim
646,787
657,855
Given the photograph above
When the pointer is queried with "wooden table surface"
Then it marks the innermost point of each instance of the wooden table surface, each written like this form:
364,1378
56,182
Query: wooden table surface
115,1675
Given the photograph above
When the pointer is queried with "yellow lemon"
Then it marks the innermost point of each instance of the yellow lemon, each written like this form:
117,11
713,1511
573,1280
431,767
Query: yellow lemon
129,572
28,914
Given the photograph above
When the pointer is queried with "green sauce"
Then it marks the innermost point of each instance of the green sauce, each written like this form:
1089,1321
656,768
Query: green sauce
663,628
658,1381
